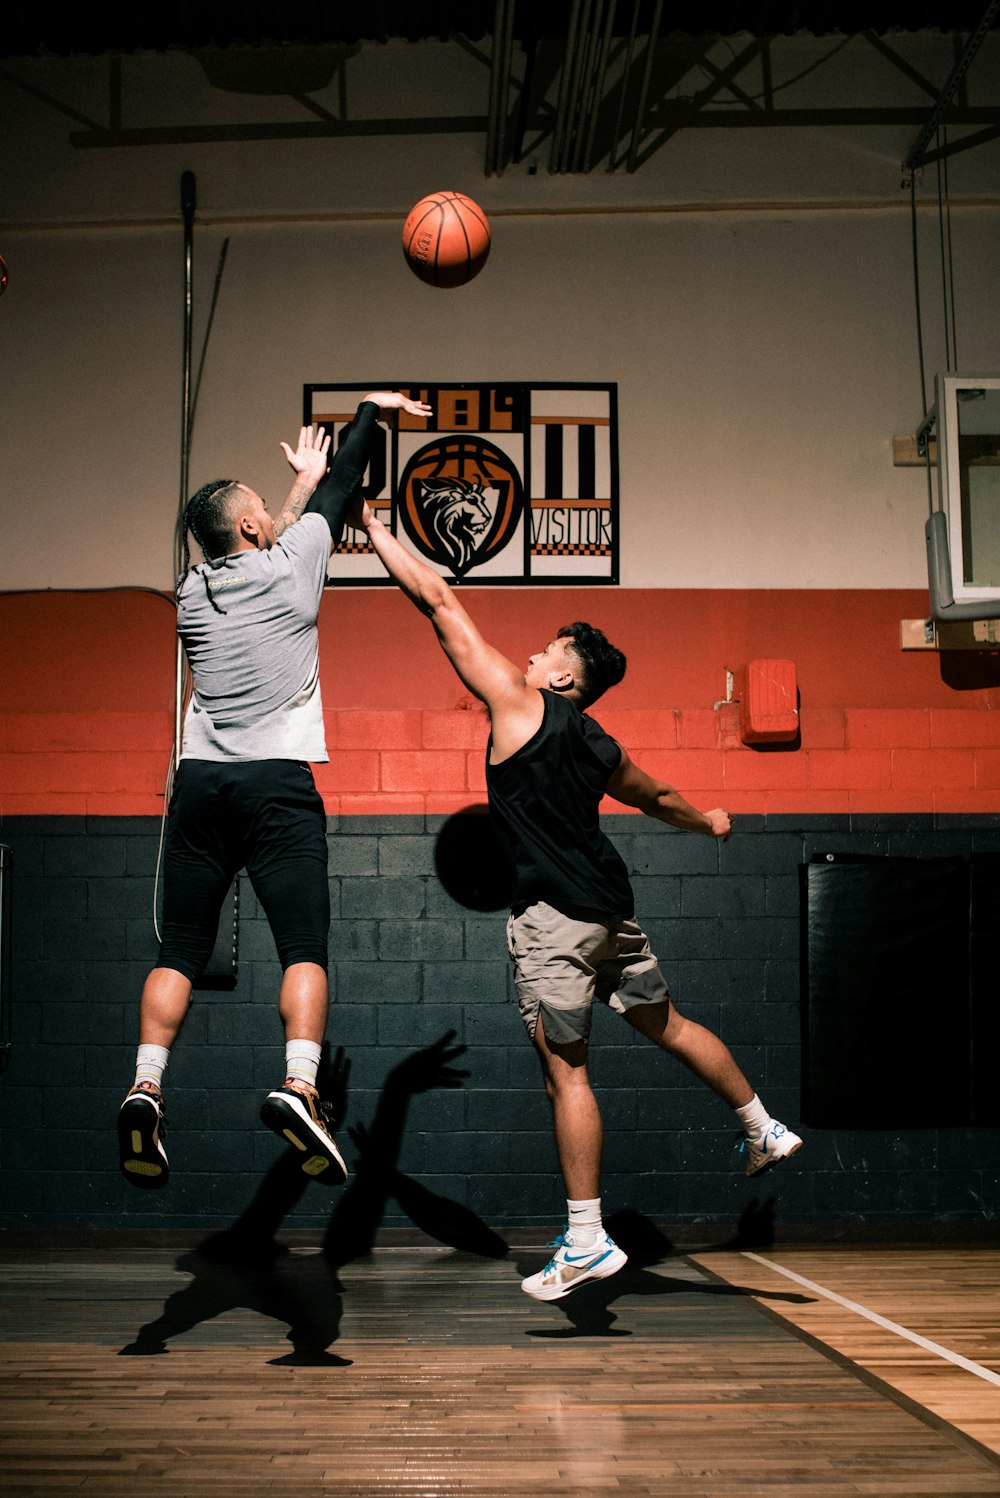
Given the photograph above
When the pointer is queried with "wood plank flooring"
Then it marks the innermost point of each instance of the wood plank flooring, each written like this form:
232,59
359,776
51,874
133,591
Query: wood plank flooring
427,1373
950,1297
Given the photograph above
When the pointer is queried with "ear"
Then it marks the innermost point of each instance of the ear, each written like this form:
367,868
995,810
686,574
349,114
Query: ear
562,681
248,529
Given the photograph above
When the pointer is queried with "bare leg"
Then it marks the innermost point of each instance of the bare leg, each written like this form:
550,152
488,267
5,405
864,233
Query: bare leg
166,998
304,1001
576,1117
700,1050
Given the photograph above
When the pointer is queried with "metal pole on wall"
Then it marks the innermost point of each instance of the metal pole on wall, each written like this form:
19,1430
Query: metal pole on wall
188,199
5,956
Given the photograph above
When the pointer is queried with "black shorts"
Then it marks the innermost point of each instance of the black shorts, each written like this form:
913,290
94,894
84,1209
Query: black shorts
262,815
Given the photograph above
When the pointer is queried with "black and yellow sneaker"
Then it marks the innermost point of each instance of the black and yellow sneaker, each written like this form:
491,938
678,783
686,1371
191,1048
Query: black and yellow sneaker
141,1126
306,1123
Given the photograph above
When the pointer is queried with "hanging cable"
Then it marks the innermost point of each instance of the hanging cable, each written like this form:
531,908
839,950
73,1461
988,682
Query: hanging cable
920,336
951,259
944,260
916,290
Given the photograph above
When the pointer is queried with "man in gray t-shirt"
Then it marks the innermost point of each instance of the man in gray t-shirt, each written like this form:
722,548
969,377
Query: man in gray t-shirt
244,795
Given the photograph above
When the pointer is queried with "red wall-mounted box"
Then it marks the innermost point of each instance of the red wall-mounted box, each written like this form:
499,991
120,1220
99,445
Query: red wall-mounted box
769,703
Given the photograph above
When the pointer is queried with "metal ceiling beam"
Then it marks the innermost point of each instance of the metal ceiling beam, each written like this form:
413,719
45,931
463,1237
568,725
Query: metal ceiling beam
915,155
967,142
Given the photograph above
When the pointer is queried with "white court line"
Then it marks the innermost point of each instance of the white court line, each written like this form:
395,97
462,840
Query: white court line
891,1326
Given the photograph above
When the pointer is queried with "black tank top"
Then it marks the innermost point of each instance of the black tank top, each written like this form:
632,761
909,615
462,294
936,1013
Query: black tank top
545,799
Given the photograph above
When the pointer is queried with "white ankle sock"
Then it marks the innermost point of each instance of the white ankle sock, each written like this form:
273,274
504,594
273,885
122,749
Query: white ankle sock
754,1117
150,1064
584,1219
302,1060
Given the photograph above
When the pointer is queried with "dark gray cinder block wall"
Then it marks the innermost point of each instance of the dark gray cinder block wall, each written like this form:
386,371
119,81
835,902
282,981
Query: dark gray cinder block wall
410,967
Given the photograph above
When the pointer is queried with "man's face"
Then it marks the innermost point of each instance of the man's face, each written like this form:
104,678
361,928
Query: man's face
553,665
260,530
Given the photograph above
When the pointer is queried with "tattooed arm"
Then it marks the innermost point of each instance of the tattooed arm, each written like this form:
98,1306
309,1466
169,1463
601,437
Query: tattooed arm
309,461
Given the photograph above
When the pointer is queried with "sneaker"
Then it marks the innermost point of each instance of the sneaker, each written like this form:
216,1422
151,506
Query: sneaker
306,1123
141,1126
776,1143
570,1267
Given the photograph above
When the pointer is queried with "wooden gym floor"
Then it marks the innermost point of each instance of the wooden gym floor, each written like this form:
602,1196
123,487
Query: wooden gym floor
426,1372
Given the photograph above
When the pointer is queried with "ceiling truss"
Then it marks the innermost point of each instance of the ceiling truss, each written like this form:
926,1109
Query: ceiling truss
598,97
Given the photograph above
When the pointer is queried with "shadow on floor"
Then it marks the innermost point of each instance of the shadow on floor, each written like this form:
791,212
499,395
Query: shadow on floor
246,1267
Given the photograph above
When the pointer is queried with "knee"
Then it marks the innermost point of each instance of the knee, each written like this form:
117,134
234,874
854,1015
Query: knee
564,1080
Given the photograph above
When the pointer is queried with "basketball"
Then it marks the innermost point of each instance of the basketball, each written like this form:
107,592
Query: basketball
446,239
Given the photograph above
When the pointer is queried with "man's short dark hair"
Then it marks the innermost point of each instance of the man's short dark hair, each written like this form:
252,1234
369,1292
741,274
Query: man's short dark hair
603,665
209,517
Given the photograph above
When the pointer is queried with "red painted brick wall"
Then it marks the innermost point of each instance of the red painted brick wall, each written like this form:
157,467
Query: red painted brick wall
87,707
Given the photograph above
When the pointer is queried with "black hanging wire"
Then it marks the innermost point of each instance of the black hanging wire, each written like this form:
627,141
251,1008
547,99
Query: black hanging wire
944,259
920,334
951,258
916,288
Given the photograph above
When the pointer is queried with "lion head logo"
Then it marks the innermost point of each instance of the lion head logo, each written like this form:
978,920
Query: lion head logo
455,514
460,499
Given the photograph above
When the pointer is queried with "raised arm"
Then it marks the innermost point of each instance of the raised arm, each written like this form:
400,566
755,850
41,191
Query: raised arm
309,460
490,676
634,787
330,492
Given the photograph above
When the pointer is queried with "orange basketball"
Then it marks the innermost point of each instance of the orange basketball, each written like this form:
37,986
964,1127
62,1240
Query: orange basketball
446,239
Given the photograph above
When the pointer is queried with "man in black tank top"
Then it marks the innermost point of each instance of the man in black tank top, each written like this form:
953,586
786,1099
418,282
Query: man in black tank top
572,933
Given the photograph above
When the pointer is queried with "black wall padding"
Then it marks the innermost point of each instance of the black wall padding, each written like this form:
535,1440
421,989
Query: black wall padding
985,964
887,1038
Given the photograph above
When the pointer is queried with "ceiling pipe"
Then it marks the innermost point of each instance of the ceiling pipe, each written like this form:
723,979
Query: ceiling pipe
505,63
580,60
626,75
489,165
588,66
647,74
597,95
561,107
529,42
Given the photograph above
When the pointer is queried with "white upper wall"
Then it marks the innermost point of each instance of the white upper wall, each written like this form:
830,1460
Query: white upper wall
749,289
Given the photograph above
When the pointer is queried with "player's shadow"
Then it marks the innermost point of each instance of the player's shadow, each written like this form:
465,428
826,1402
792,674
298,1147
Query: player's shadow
589,1312
246,1267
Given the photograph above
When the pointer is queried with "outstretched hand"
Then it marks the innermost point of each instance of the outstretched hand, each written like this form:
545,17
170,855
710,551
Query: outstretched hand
433,1066
311,456
393,400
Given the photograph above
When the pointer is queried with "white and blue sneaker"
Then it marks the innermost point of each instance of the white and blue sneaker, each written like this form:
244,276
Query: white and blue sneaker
570,1267
776,1143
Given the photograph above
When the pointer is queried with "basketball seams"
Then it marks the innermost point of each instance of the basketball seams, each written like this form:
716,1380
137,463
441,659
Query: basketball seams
433,208
452,236
455,220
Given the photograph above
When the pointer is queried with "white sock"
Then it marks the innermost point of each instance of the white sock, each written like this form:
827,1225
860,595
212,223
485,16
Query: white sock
754,1117
150,1064
584,1218
302,1060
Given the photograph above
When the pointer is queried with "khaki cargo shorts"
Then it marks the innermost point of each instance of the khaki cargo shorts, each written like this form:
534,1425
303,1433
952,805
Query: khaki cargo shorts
563,962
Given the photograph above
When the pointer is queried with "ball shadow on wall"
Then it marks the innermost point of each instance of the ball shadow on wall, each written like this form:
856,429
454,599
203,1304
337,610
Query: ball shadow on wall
473,862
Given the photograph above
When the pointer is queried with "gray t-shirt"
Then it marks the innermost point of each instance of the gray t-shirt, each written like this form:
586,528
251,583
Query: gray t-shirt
256,667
